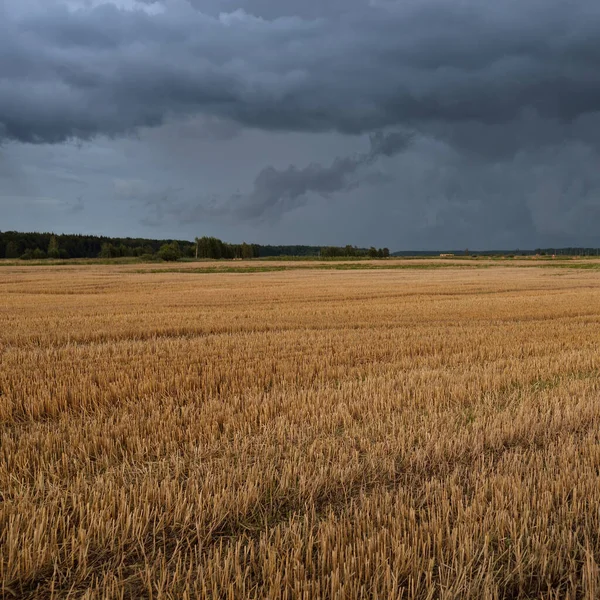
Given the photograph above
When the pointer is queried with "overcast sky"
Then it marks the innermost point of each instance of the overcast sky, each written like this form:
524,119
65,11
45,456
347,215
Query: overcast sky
413,124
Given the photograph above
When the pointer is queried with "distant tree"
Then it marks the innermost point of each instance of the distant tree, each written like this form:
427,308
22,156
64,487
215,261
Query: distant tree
386,253
247,251
170,252
38,253
215,248
372,252
12,250
380,253
27,255
53,249
211,247
108,251
189,250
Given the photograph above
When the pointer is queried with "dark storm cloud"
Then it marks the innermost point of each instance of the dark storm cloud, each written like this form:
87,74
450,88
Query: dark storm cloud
438,66
278,191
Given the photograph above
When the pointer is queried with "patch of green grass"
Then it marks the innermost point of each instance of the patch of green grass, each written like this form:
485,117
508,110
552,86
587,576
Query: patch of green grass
125,260
592,266
320,267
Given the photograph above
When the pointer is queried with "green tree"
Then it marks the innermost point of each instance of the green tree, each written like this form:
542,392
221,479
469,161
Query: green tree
170,252
53,249
12,250
108,251
38,253
247,251
211,247
372,252
215,247
329,252
386,253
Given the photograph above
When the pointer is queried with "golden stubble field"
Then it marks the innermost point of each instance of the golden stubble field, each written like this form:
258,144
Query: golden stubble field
301,434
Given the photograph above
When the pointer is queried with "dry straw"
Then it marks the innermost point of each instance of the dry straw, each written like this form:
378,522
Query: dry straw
299,435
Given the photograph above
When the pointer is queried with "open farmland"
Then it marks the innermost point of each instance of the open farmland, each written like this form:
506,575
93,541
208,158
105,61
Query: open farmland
300,434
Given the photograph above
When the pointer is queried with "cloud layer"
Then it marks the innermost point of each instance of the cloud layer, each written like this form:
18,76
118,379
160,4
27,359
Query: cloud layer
430,65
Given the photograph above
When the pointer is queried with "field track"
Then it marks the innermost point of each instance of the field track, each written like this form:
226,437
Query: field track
306,433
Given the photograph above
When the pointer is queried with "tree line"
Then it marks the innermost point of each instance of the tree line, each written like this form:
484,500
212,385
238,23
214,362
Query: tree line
14,244
33,245
353,251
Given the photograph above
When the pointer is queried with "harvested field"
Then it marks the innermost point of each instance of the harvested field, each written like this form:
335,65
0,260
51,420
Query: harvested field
300,434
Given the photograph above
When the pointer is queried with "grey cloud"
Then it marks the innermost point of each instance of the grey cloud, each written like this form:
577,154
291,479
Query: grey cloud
548,197
389,144
432,65
153,206
277,191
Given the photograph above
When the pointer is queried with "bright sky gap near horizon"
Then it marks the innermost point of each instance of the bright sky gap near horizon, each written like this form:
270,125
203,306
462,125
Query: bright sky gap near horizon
418,124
